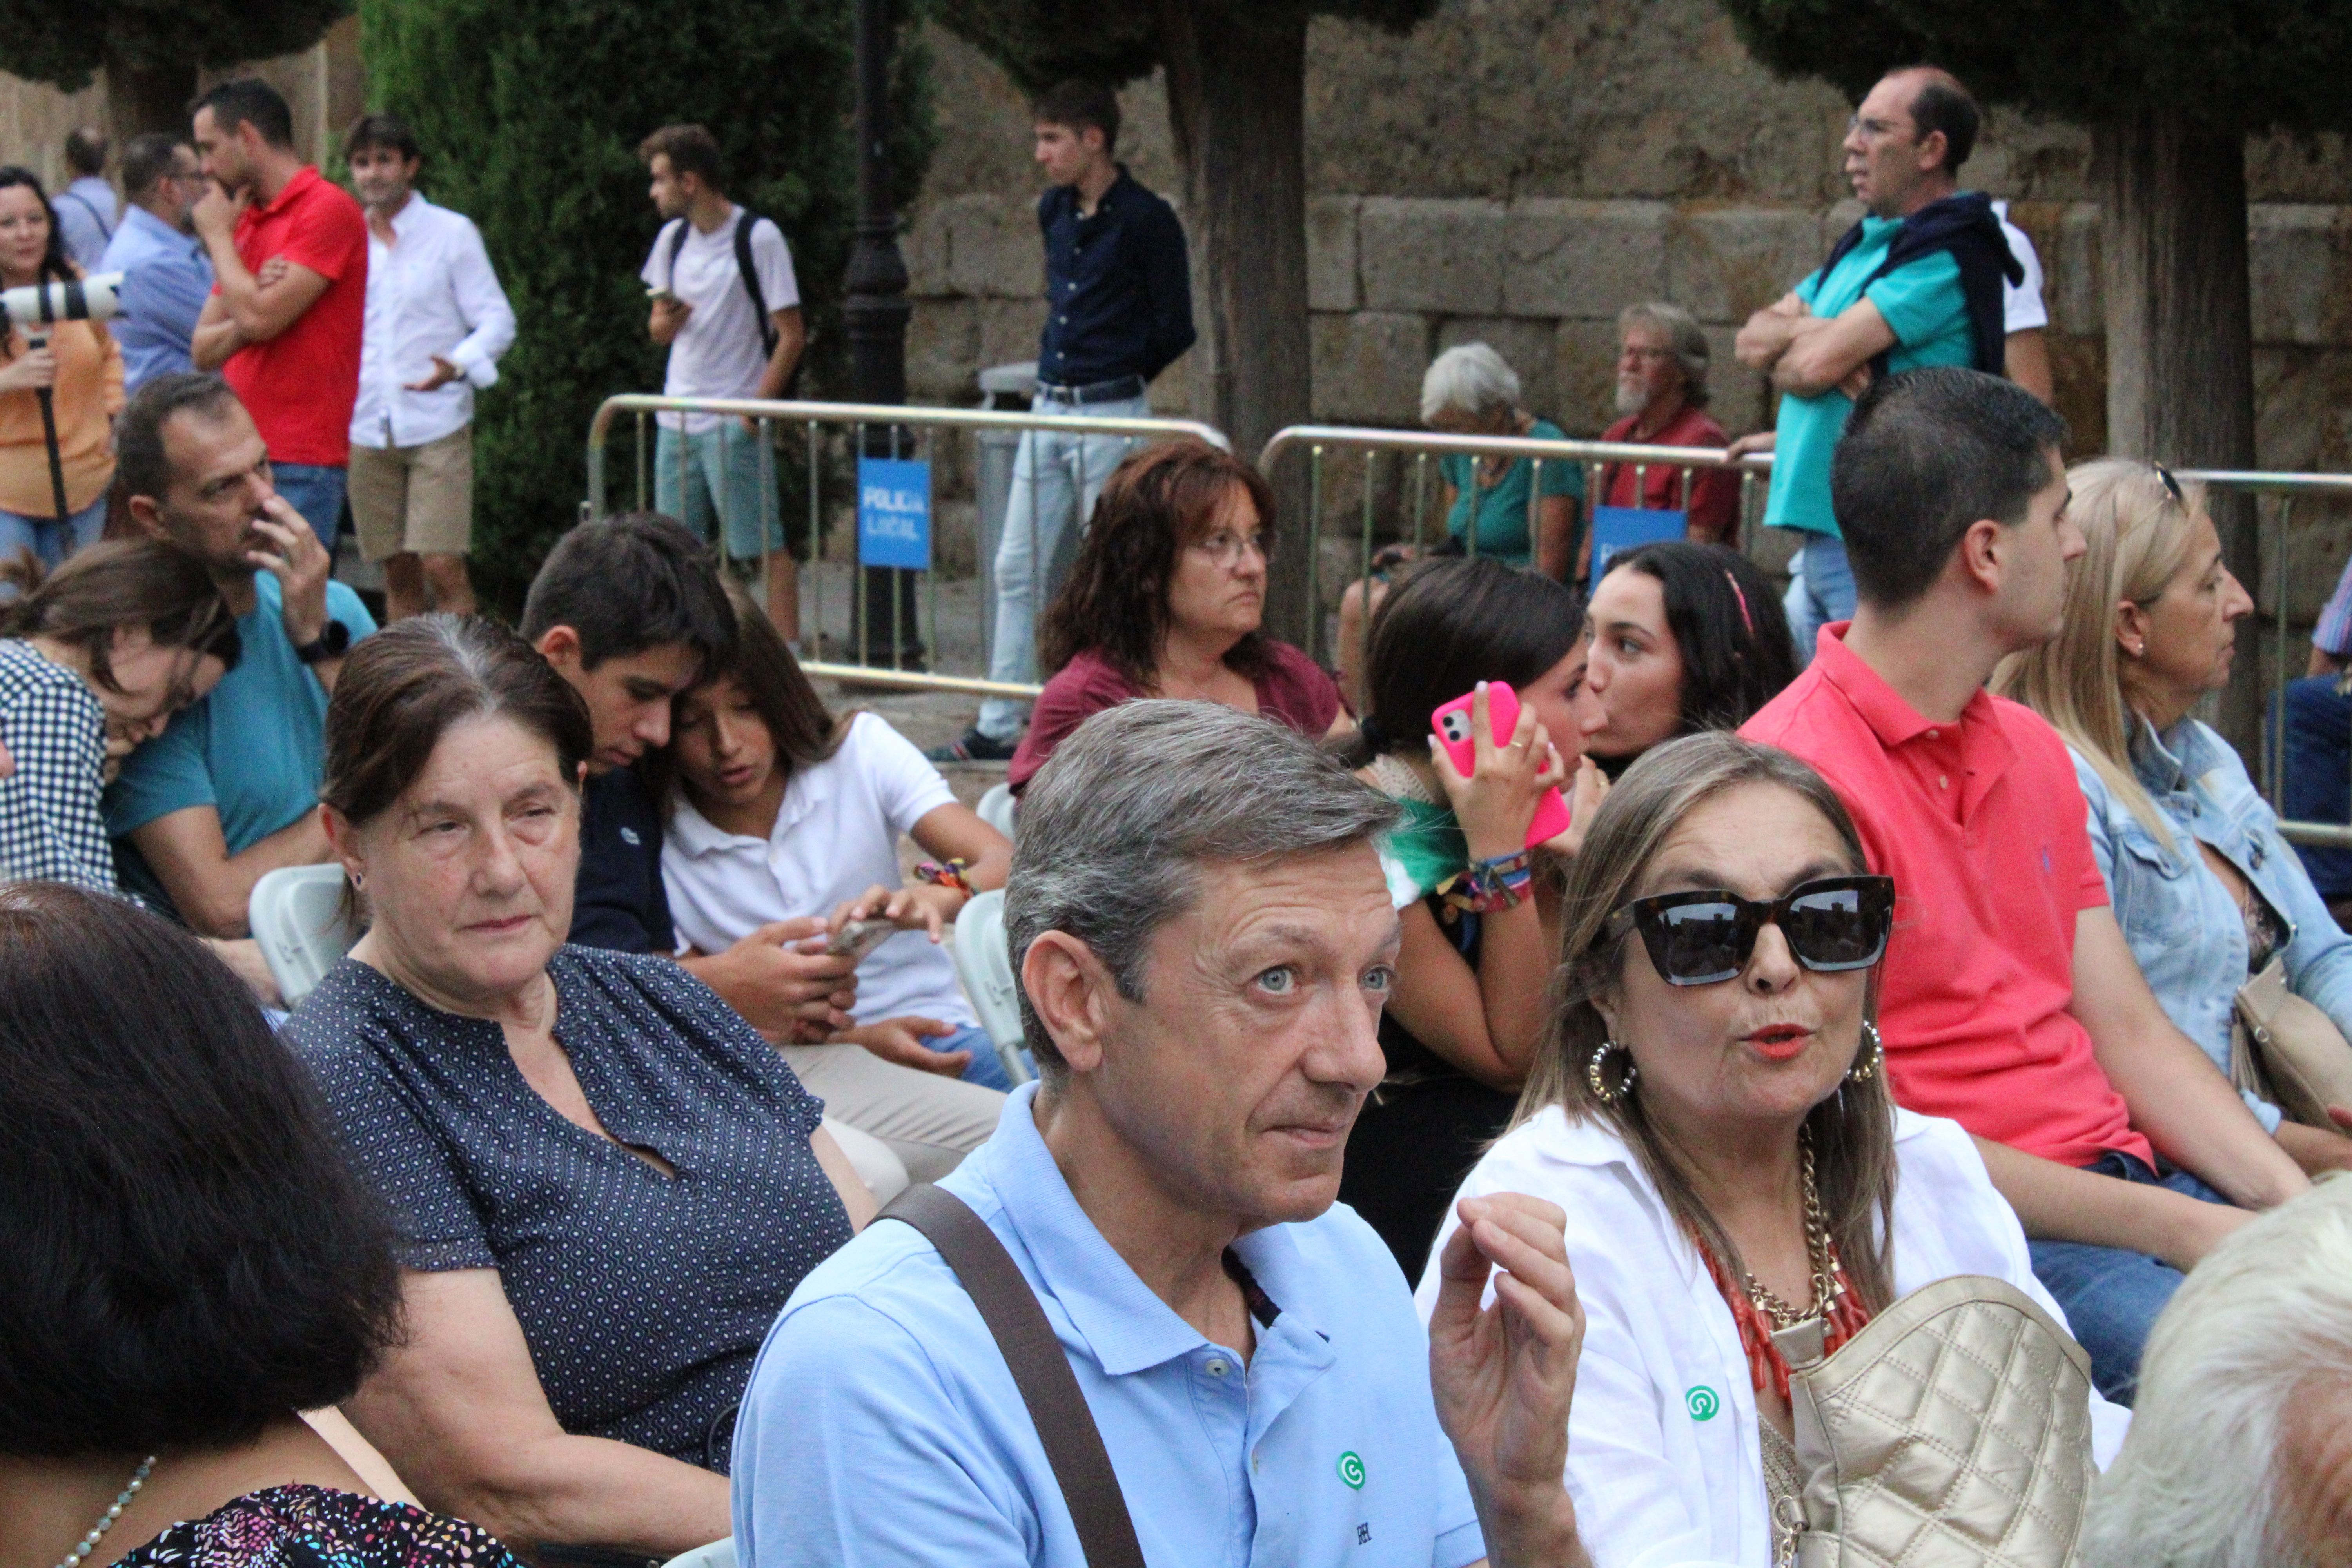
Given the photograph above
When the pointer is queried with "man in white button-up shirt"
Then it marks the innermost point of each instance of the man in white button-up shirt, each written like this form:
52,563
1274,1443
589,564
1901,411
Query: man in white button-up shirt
436,324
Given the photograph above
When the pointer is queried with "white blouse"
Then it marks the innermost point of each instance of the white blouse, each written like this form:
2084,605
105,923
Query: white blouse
1665,1464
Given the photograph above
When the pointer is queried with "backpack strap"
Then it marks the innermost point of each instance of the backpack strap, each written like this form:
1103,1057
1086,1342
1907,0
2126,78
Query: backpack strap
104,228
745,221
1040,1368
677,244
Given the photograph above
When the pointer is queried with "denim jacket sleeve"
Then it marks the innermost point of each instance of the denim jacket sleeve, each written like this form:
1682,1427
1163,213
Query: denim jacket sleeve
2319,959
2167,904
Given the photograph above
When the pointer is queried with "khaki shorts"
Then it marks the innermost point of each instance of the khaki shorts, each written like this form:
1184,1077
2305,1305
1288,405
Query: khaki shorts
415,499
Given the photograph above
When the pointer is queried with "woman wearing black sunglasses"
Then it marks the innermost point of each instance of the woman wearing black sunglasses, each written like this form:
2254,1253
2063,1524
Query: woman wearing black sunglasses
1708,1108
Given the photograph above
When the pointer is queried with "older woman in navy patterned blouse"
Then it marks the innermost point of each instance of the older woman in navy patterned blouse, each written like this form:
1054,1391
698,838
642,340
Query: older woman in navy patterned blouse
605,1182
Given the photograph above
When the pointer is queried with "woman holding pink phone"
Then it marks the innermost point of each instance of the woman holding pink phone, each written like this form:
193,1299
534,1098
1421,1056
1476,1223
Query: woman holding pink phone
1478,902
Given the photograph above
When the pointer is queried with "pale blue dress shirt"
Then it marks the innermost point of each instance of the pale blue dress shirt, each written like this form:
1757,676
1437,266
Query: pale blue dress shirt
882,1427
166,277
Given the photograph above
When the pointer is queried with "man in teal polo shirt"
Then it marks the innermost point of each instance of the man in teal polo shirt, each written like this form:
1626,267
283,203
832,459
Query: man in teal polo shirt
1205,942
230,790
1916,282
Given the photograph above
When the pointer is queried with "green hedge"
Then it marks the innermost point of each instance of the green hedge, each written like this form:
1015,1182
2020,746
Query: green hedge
530,112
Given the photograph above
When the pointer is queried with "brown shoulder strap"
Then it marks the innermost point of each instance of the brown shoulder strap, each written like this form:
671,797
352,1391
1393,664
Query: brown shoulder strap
1040,1367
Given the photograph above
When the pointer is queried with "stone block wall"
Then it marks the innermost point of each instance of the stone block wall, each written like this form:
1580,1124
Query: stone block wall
1517,170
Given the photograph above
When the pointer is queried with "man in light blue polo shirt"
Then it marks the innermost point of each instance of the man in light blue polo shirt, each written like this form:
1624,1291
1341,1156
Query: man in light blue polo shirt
1205,942
230,789
1916,282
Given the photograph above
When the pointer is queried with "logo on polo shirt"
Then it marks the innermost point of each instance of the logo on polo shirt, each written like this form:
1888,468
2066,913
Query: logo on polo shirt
629,837
1703,1402
1351,1470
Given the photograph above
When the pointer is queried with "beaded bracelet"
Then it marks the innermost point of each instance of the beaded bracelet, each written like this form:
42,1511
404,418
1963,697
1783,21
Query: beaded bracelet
950,875
1500,883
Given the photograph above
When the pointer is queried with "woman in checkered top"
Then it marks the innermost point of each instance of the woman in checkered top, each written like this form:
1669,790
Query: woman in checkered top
95,657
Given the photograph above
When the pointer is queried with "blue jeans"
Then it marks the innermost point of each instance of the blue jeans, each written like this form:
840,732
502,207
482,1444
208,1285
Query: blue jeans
317,492
48,538
722,481
1821,589
986,1068
2316,784
1055,477
2112,1296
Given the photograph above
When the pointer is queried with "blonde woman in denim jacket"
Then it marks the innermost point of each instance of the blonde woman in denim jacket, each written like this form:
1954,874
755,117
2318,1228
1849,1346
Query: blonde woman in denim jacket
2205,890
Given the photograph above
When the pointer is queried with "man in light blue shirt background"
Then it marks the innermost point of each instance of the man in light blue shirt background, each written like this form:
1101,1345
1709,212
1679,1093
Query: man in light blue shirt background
1857,316
165,273
1206,942
86,207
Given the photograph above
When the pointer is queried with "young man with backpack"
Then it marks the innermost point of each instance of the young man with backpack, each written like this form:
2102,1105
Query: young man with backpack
725,302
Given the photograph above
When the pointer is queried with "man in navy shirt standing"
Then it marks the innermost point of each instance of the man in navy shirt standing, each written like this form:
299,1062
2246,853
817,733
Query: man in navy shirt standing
1119,296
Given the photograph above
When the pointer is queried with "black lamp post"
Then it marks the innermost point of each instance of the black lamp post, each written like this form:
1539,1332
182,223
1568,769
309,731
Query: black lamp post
875,312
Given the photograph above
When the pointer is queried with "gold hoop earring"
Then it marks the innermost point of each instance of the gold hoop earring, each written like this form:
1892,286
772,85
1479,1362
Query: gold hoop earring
1600,1084
1873,1058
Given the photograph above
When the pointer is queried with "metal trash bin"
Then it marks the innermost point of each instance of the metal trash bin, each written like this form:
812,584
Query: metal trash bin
1012,387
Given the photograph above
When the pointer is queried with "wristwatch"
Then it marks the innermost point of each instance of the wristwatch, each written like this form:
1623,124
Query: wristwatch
332,642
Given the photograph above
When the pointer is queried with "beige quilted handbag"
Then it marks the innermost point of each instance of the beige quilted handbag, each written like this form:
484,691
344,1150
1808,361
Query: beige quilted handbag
1953,1431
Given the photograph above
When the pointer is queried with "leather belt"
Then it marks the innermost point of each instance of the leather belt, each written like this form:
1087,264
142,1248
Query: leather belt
1117,389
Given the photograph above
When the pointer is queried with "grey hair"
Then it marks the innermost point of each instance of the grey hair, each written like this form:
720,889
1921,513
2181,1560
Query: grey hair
1115,824
2266,1314
1684,335
1471,378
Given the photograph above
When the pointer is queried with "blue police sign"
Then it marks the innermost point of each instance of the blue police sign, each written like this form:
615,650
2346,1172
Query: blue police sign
894,513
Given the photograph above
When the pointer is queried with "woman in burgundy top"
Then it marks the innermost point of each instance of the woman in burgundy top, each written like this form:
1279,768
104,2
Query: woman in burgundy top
1165,601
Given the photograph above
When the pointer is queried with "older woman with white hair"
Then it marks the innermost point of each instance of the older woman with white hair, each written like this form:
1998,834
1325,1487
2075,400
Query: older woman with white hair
1494,505
2236,1457
1470,390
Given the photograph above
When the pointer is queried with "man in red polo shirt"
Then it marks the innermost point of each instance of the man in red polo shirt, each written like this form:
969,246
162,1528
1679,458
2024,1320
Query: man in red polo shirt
1661,362
284,322
2008,1000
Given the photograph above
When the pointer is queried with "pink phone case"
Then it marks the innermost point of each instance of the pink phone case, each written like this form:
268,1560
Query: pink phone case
1451,723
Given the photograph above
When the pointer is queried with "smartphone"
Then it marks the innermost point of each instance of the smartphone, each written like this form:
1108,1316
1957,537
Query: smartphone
858,938
1452,722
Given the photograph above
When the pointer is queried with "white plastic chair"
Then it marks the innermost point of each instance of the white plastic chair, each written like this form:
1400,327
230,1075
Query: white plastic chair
717,1555
297,915
984,964
997,808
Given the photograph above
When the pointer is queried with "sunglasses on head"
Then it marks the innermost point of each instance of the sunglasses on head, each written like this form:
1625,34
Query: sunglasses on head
1707,935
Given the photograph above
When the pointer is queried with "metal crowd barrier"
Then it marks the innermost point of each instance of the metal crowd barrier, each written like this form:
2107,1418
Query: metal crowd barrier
1421,445
873,430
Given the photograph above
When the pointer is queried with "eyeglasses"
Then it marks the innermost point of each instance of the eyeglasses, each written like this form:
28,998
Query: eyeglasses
1632,350
2169,482
1225,549
1699,938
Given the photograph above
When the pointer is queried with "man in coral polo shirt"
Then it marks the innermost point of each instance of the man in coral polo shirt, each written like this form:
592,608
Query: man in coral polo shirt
2010,1001
283,324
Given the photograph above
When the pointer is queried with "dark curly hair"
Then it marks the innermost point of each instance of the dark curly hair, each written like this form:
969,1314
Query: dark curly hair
1114,604
189,1258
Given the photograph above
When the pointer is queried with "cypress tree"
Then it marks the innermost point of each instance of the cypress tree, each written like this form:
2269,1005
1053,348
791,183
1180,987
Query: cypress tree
530,112
152,49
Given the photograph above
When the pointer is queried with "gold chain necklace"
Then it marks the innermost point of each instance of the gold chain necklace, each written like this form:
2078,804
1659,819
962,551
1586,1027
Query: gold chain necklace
1828,1274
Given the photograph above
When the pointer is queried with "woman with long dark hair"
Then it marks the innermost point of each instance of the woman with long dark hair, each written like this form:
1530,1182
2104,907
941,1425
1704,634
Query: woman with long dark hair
1166,599
80,366
778,811
1685,637
1461,1024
